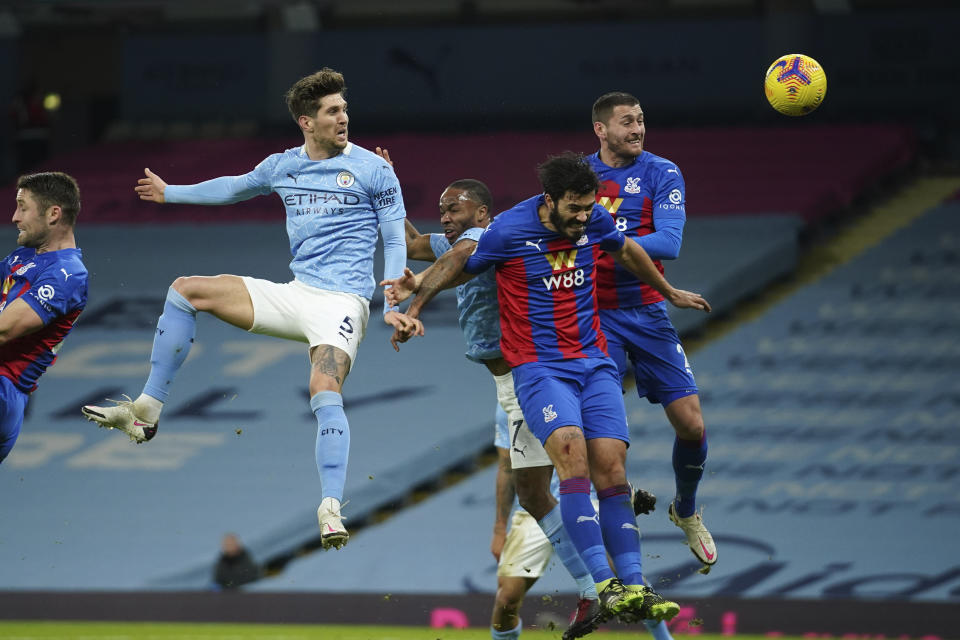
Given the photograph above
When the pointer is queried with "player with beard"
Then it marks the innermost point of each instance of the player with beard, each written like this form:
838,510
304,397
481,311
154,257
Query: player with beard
537,528
645,195
44,290
545,251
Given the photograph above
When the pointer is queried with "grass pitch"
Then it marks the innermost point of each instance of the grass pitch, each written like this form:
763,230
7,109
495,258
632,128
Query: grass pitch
165,631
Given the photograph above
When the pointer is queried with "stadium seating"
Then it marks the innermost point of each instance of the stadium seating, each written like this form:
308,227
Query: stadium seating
808,170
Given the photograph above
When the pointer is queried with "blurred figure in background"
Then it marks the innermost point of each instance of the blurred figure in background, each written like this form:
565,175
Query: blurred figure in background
31,127
235,566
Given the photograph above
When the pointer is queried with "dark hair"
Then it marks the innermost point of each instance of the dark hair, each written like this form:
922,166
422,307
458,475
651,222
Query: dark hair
603,107
53,188
303,98
477,190
567,172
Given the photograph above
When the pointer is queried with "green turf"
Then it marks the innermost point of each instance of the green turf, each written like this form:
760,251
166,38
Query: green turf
158,631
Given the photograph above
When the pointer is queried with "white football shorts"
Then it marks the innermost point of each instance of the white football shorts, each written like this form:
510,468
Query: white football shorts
297,311
525,450
526,551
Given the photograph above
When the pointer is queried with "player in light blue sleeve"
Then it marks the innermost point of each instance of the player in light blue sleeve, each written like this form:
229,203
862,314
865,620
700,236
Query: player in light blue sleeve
525,469
465,207
336,195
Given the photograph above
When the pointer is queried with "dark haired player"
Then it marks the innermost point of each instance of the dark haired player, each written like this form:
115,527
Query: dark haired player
645,195
337,196
545,251
43,291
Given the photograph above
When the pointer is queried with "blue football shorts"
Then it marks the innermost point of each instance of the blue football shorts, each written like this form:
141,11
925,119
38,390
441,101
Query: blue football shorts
646,336
580,392
13,403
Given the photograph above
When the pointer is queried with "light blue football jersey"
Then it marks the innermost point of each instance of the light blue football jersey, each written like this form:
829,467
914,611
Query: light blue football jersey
477,306
334,209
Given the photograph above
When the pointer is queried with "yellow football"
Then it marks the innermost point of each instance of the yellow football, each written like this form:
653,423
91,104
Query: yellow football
795,84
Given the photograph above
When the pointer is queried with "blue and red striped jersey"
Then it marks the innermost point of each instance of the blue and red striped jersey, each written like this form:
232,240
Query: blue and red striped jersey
636,196
545,284
54,284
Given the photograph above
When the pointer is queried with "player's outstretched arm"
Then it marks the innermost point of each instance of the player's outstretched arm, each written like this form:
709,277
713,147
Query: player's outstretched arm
418,244
445,273
151,188
633,258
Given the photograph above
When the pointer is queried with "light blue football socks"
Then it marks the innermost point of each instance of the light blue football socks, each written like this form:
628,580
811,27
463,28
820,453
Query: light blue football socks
512,634
552,526
175,333
333,442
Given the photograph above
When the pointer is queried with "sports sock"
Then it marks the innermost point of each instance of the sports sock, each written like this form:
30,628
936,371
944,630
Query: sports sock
583,526
333,442
512,634
688,459
658,630
176,329
147,408
620,532
552,526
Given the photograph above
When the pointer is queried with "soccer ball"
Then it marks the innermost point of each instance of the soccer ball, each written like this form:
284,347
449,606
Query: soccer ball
795,84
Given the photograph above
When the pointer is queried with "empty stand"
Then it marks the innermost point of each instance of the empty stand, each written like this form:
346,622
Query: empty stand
805,169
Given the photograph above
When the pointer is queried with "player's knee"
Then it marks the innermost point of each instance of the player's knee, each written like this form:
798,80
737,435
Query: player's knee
691,427
536,503
686,418
608,472
605,477
181,285
189,288
206,293
324,382
693,432
509,599
569,458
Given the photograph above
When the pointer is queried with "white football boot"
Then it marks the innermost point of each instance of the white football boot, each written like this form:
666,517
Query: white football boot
698,538
121,416
332,532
